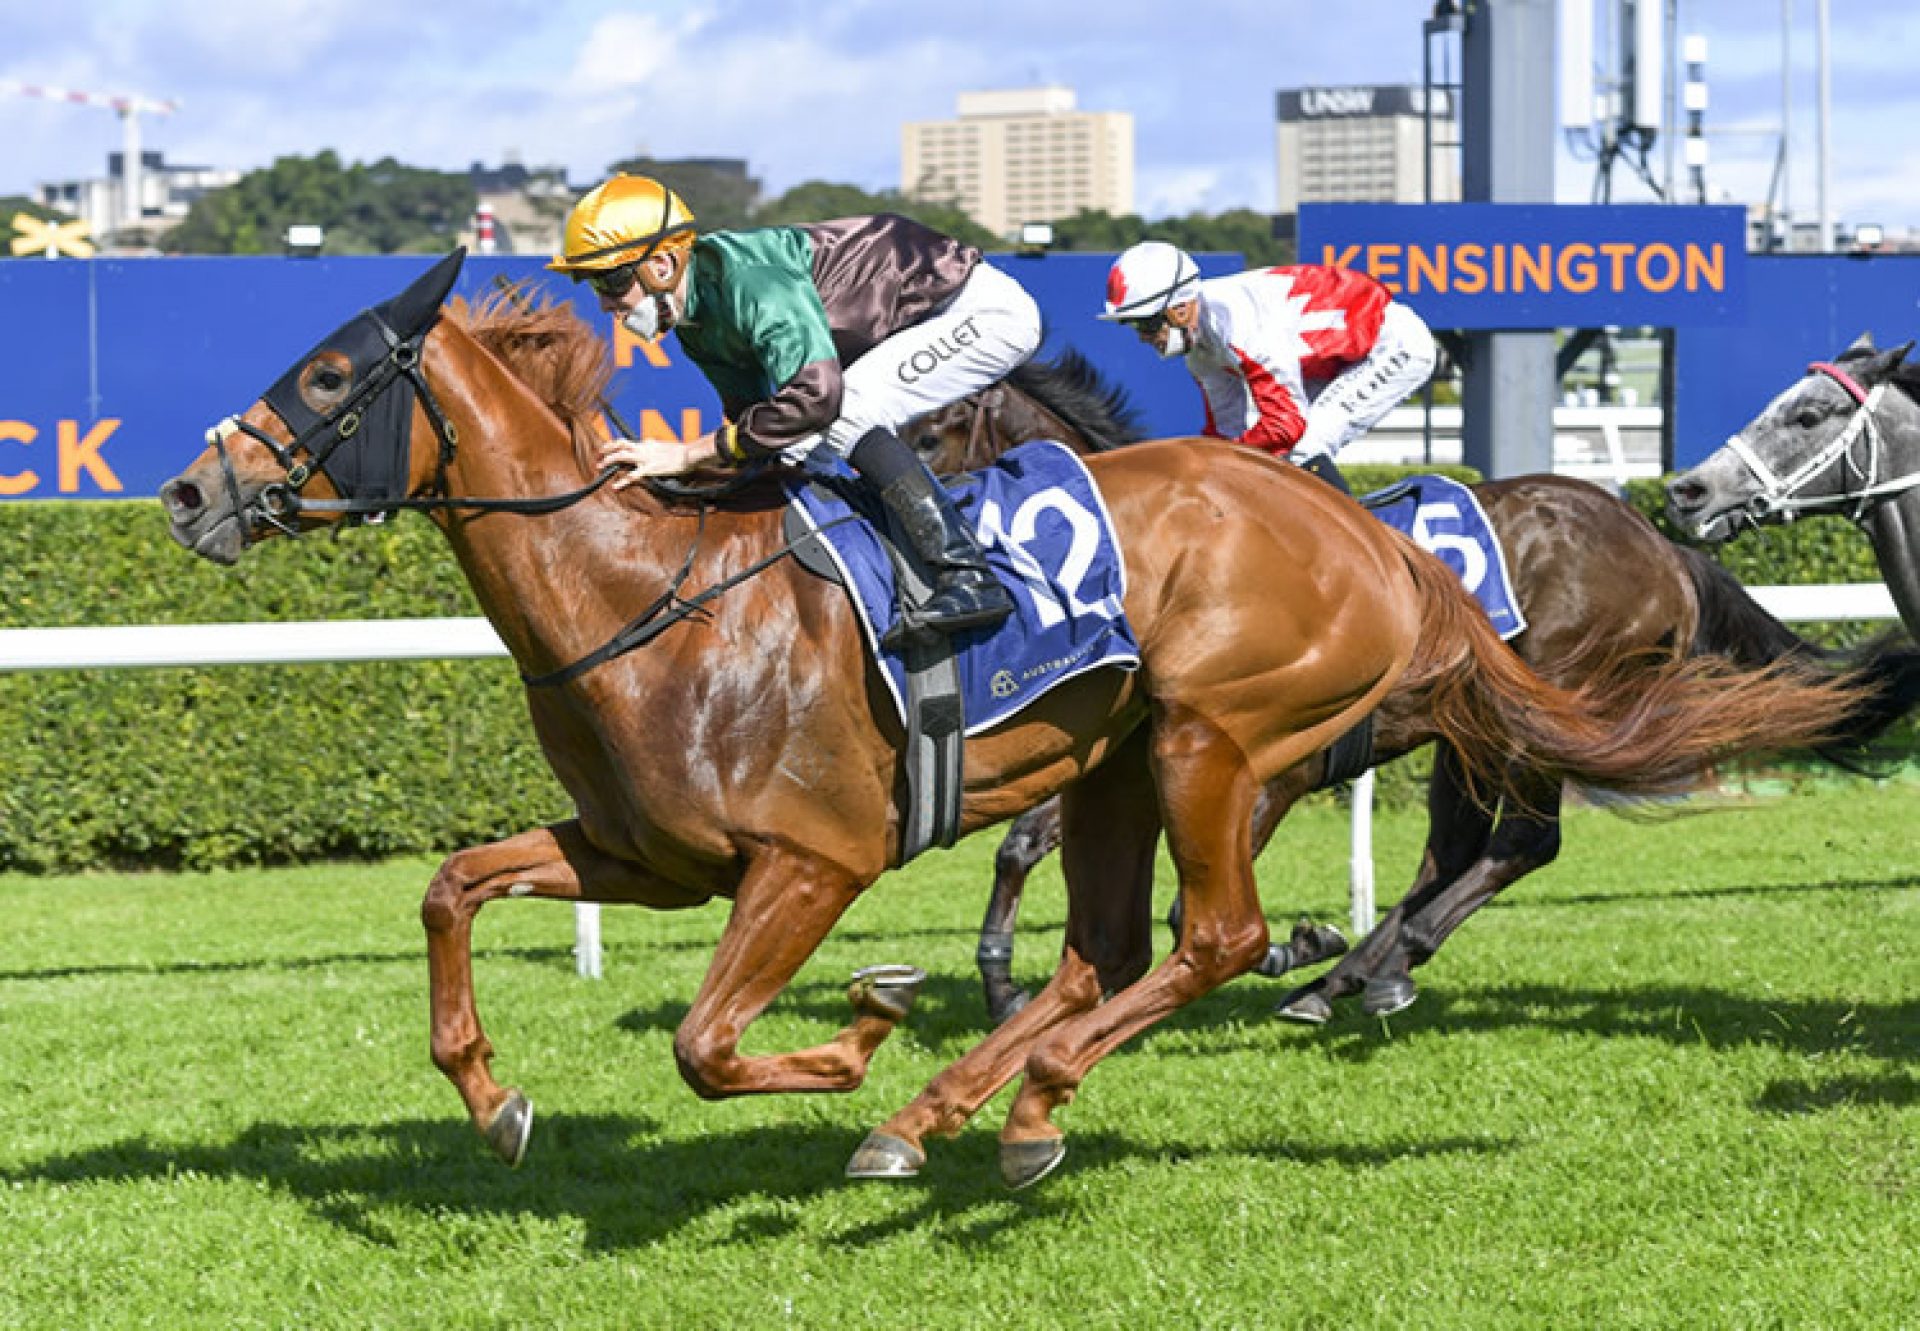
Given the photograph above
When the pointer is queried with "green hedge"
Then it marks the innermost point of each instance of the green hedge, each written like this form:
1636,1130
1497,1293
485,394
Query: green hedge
264,764
248,764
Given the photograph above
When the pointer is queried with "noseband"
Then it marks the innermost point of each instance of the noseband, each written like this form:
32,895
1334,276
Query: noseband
1781,494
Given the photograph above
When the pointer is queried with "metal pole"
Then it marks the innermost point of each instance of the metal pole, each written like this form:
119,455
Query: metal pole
130,168
1673,93
1823,113
1786,118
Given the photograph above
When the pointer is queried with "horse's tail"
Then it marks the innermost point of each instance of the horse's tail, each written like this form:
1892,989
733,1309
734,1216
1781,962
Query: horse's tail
1638,726
1735,626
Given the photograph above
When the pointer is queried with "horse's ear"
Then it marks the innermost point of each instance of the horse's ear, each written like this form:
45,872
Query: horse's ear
416,307
1882,365
1862,346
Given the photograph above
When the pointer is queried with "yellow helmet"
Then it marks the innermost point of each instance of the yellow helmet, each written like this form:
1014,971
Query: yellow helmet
620,221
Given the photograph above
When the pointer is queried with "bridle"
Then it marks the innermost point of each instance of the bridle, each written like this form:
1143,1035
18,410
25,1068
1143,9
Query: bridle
279,504
320,437
1780,495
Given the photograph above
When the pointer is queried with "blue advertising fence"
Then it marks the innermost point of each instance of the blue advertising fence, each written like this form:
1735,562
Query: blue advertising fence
1801,308
111,370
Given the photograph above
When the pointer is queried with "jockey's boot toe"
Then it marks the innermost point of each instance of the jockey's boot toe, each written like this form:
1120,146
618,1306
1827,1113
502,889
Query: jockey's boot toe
966,599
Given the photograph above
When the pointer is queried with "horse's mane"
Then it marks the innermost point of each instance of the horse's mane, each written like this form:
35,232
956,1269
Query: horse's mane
1072,388
549,348
1906,376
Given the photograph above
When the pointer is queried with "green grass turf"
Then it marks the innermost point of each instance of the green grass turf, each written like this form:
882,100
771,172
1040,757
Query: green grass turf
1669,1082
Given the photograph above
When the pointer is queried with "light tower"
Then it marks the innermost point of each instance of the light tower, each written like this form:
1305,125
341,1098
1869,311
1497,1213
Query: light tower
130,109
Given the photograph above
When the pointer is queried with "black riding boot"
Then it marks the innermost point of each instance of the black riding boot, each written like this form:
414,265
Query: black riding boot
965,595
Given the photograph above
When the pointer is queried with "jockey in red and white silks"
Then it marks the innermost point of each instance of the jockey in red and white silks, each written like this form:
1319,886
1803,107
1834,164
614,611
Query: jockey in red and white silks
1298,361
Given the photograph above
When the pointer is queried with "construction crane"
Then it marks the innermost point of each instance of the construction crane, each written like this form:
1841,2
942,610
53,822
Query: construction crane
130,109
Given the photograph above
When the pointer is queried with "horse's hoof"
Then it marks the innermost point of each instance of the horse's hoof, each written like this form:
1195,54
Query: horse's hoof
1005,1010
883,1155
887,991
1389,994
1309,1009
1023,1164
511,1127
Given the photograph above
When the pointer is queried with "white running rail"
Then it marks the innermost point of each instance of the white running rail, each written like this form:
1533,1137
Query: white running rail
315,641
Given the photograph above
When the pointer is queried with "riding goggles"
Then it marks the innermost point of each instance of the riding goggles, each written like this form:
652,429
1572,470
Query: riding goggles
614,282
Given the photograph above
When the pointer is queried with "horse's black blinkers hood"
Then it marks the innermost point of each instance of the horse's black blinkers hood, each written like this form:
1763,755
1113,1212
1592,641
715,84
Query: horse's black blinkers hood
364,453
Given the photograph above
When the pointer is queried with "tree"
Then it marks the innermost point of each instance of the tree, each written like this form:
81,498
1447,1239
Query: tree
384,208
818,200
1239,230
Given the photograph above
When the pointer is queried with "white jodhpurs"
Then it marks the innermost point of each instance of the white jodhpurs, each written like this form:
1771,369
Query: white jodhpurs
989,326
1353,401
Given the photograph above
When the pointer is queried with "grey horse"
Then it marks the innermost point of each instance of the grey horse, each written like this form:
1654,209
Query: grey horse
1844,438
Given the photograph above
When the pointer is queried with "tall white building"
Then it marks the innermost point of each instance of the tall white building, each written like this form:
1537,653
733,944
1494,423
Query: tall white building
1022,155
1364,145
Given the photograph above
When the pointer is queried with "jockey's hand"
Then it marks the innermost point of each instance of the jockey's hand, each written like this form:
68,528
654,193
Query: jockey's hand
654,457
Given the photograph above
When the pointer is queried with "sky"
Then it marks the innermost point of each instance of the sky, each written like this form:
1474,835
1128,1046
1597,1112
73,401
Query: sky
818,90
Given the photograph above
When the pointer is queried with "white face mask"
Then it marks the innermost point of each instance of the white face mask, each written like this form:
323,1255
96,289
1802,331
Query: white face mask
1175,344
653,316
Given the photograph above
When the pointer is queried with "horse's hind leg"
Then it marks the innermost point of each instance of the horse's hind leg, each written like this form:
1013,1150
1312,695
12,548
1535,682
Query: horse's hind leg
1032,837
1206,795
555,862
1110,823
1458,833
1528,838
1310,943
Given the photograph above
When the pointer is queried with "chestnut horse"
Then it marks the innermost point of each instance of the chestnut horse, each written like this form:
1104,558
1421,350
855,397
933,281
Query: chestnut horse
748,749
1592,577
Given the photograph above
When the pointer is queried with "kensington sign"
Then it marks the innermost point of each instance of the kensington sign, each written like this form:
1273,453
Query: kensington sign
1500,265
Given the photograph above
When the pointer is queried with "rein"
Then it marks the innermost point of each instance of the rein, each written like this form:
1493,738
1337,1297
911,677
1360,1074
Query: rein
1781,494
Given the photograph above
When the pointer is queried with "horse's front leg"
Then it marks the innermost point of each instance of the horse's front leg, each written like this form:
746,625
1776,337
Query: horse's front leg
556,862
786,903
1032,837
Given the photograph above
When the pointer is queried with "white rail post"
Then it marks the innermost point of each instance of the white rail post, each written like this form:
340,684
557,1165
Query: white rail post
586,939
1360,862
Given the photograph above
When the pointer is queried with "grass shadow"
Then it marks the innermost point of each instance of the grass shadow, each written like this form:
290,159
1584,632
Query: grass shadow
624,1184
1679,1014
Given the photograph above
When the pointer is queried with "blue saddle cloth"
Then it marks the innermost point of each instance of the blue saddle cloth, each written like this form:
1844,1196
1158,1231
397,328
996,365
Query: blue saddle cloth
1047,536
1445,519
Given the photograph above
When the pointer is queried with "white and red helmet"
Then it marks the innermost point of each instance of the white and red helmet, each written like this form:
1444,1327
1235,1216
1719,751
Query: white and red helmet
1149,277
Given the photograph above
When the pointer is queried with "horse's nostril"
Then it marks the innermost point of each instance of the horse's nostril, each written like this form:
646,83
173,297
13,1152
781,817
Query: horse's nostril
184,496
